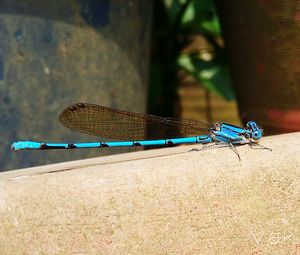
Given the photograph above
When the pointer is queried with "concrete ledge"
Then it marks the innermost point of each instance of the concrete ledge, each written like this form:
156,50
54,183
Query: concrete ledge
165,201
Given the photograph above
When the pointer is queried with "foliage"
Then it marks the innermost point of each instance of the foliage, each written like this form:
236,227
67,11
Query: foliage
183,19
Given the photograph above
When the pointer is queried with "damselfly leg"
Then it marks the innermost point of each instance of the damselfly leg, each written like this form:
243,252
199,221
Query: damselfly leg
257,146
218,145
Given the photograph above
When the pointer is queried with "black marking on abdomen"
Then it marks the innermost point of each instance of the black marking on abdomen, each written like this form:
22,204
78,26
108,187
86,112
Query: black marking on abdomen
136,144
44,146
170,142
104,145
71,146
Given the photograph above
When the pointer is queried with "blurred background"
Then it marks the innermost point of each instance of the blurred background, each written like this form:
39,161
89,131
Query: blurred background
207,60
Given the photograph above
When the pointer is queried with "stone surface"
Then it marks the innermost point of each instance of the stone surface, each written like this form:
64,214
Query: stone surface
56,54
164,201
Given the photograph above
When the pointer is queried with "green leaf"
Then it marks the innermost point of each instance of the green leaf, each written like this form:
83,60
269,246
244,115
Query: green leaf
213,75
174,9
201,16
212,26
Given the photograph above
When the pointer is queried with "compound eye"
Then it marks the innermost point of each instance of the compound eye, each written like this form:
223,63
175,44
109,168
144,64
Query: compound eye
255,134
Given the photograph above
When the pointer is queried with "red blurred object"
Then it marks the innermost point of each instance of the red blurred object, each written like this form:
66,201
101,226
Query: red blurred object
262,39
287,120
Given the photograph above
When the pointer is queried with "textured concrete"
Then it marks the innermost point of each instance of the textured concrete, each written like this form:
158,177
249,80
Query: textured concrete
53,54
165,201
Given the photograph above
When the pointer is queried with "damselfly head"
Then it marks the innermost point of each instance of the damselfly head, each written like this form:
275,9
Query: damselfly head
255,131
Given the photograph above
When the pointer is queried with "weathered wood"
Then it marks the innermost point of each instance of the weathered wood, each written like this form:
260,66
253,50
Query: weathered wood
165,201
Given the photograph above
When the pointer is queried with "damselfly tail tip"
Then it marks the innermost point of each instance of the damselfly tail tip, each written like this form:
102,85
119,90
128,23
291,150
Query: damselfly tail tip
17,146
25,145
12,147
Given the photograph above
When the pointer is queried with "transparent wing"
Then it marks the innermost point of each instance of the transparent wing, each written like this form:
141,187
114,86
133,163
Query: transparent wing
118,124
